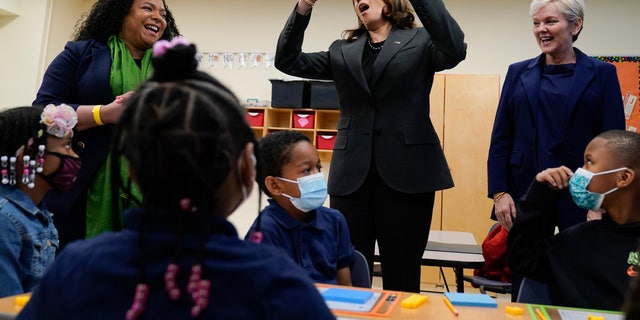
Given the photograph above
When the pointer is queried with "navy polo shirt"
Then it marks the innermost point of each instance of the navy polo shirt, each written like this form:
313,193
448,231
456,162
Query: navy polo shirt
321,247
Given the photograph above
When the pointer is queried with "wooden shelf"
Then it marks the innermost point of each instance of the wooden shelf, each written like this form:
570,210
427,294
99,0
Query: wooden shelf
314,123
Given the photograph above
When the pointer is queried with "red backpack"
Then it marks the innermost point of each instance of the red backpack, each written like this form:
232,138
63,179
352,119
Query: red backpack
494,251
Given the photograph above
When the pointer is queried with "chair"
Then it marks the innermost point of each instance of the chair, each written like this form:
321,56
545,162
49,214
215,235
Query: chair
534,292
484,284
360,276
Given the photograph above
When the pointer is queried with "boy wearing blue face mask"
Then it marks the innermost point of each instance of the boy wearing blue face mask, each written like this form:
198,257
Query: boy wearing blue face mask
316,237
590,264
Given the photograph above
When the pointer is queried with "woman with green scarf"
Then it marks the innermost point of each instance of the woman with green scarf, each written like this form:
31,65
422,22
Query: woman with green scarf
95,74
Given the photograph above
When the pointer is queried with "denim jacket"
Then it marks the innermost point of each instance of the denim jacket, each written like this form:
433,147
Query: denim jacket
28,241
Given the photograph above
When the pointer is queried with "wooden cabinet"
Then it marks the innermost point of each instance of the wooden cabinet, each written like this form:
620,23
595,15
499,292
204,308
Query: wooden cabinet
318,124
462,110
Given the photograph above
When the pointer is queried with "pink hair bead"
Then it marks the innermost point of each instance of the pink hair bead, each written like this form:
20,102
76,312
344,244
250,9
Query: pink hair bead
139,302
256,237
170,283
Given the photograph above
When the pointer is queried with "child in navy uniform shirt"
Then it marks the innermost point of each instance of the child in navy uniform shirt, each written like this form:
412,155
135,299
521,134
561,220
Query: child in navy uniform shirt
316,237
586,265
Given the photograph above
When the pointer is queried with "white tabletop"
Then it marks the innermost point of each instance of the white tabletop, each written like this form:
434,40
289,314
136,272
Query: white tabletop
449,237
443,237
457,237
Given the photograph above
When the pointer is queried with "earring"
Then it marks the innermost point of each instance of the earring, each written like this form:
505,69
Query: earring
12,171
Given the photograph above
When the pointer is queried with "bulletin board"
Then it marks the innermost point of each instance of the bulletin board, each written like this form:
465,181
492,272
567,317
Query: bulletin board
628,69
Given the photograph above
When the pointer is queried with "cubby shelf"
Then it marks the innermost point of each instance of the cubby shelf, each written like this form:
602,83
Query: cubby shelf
318,124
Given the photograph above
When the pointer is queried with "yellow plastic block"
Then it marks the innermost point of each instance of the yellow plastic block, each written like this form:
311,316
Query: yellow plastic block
592,317
515,311
22,300
414,301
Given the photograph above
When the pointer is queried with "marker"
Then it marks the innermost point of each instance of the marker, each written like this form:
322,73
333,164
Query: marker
540,314
450,306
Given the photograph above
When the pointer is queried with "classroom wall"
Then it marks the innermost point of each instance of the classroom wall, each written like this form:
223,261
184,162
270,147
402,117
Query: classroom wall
498,32
22,33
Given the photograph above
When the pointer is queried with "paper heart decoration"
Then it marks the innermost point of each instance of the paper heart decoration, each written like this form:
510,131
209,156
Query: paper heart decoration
303,122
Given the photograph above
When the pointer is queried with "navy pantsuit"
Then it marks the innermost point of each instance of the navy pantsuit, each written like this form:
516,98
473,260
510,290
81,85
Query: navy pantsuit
594,105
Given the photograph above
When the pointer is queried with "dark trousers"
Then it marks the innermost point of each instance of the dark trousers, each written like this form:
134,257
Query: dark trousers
399,221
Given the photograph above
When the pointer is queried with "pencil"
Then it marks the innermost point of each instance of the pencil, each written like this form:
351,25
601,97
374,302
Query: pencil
540,314
450,306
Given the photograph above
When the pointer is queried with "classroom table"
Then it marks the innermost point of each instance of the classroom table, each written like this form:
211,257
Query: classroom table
434,308
8,307
455,249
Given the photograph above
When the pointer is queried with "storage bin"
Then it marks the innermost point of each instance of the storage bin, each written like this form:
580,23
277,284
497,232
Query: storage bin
323,95
325,141
303,120
255,118
289,93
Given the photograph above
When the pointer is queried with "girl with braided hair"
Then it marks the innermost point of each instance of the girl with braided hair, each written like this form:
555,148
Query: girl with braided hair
191,153
35,157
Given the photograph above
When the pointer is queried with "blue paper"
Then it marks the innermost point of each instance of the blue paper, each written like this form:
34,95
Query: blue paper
470,299
347,295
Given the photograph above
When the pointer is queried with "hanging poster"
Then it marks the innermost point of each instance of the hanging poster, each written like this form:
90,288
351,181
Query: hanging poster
628,69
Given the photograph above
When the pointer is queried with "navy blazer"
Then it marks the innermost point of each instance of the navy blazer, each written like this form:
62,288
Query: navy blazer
387,122
595,106
79,75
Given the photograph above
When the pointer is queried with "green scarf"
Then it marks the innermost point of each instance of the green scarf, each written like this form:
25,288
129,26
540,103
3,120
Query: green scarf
125,73
125,76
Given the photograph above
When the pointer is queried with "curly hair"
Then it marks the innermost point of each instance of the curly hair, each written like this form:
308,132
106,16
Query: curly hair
275,151
106,18
398,12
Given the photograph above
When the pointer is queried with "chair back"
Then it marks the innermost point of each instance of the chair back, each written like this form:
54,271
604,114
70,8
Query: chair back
534,292
496,242
360,276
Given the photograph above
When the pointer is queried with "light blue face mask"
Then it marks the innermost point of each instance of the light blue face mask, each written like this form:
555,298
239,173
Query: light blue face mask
313,192
584,198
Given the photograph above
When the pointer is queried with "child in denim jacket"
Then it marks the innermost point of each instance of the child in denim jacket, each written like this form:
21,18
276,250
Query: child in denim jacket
35,156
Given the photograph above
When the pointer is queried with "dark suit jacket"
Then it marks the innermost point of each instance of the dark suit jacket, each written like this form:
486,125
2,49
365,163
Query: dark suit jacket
388,122
79,75
595,106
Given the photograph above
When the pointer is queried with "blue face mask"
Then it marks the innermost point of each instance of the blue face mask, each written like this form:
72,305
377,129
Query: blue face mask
313,192
584,198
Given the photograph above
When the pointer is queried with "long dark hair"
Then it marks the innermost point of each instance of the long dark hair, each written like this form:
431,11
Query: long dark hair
398,12
106,17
